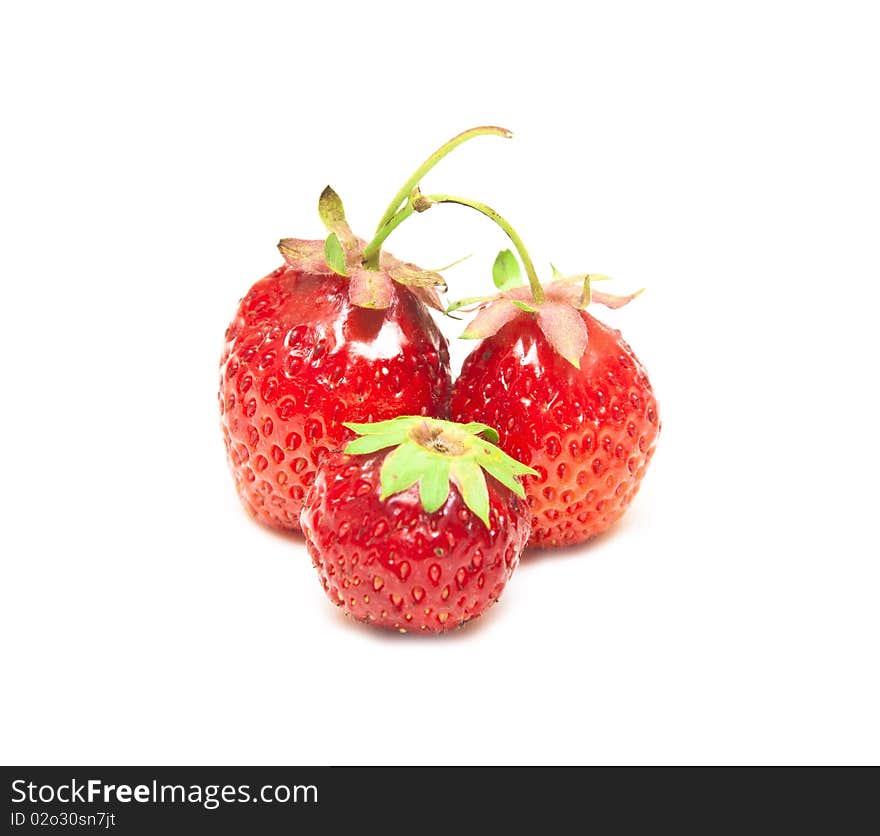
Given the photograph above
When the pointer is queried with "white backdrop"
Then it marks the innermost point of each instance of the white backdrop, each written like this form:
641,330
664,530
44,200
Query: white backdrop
722,155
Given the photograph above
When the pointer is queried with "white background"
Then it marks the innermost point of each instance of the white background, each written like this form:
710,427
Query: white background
723,155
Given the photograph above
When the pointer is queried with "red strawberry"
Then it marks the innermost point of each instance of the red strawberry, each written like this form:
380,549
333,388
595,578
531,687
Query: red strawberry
340,332
299,359
568,396
399,547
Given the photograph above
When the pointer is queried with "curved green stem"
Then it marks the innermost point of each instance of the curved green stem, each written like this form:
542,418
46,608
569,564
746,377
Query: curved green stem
489,212
373,249
427,165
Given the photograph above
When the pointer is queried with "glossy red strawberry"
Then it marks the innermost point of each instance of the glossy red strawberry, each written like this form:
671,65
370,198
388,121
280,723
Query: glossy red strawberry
406,530
568,396
340,332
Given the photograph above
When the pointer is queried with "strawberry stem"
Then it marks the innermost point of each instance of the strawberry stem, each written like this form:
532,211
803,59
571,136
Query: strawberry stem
489,212
373,250
427,165
394,215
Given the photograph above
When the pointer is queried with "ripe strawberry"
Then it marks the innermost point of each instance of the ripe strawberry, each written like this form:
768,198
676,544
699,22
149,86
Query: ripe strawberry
394,545
568,396
340,332
299,358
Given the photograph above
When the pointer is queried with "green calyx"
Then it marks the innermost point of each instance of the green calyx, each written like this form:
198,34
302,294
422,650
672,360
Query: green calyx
556,306
506,275
371,273
435,453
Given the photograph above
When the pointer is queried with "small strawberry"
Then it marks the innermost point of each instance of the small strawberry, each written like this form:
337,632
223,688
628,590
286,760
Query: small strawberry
567,394
416,537
340,332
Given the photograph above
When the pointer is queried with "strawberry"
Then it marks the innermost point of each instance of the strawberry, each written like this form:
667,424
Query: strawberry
567,394
406,530
339,332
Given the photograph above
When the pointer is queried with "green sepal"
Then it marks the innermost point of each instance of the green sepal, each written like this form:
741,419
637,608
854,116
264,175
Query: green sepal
399,424
434,486
334,255
587,294
403,467
330,208
485,430
505,469
524,306
453,263
377,436
506,272
371,443
332,213
471,482
470,300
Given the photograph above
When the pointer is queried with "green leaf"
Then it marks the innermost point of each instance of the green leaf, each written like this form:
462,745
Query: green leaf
402,468
330,209
400,424
333,217
505,271
504,468
371,443
434,485
524,306
518,468
334,255
587,294
471,481
556,273
497,469
477,428
586,280
470,300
